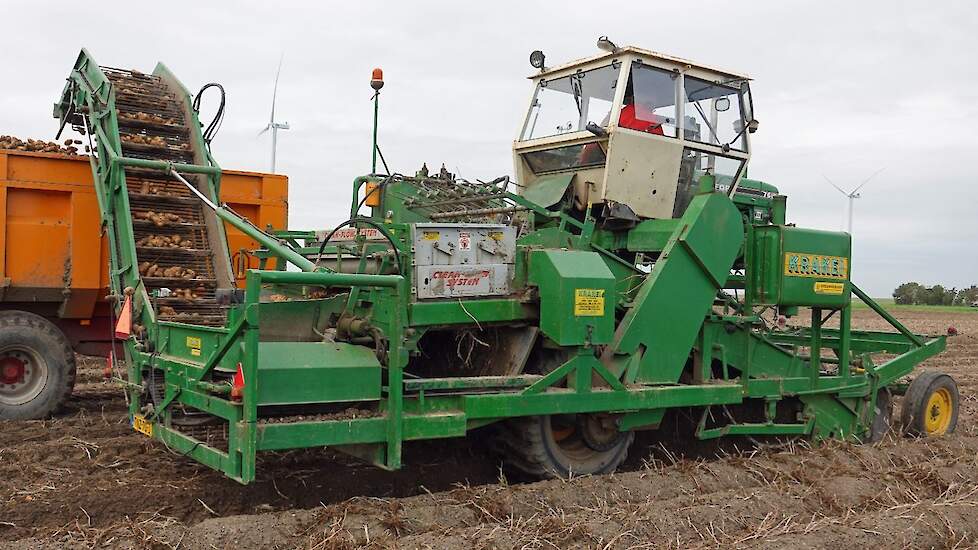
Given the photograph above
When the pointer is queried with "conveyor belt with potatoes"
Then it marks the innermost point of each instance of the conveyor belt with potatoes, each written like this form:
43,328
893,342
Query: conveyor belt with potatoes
173,248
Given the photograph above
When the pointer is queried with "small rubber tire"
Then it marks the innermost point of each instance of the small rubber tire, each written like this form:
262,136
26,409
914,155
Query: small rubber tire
31,336
882,418
930,407
530,446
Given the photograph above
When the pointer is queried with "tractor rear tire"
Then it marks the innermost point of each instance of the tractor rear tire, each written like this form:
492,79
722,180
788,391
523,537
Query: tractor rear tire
37,366
553,447
930,407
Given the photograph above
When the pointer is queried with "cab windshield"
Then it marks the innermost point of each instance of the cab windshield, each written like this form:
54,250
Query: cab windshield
714,113
568,104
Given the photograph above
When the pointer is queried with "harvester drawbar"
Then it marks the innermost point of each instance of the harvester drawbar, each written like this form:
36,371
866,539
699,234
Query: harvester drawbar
633,271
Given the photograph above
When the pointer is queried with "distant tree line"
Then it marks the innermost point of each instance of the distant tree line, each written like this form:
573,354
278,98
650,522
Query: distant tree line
937,295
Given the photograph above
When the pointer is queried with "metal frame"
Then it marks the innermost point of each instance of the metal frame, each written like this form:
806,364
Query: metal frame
663,340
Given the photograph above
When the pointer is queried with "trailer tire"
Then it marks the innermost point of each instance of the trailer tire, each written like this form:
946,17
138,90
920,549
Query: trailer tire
37,366
930,406
531,445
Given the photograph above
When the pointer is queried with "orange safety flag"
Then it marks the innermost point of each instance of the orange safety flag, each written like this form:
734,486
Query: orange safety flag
124,324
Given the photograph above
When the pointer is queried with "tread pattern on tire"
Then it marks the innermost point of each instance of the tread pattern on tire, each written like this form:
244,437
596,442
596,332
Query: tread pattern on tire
915,394
520,444
519,441
62,355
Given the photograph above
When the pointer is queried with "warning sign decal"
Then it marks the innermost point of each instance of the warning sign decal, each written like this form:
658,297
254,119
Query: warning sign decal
588,302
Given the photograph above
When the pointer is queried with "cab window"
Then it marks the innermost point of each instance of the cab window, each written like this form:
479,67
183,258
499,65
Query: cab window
650,100
568,104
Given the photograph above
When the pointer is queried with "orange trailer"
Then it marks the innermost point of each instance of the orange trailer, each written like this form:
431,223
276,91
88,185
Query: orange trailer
54,263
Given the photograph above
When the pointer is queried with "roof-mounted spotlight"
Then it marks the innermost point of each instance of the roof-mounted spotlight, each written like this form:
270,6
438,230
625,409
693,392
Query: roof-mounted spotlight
536,59
607,45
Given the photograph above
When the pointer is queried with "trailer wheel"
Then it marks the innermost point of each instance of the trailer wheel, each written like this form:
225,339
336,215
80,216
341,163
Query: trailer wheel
931,405
883,417
562,446
37,366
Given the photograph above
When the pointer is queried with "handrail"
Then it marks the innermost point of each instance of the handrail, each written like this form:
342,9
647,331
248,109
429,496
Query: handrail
885,315
324,278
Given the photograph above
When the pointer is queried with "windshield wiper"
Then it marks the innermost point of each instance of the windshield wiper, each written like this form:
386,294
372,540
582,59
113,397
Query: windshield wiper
744,128
706,120
576,88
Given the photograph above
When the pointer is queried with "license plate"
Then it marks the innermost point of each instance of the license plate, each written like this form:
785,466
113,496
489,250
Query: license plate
142,425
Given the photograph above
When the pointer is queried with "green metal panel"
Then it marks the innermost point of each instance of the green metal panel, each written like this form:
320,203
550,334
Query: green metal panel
316,372
548,190
651,235
801,267
188,342
319,434
455,312
665,317
576,296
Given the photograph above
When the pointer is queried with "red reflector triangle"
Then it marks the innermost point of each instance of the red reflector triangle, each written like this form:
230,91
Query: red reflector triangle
124,324
239,380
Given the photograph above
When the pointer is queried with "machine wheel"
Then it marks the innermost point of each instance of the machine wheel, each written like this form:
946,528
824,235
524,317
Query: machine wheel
564,445
883,417
931,405
37,366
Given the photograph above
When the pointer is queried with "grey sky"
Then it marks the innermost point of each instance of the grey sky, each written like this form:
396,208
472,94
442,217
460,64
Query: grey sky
841,89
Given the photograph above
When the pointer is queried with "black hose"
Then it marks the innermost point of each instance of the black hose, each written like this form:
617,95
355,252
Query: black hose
218,119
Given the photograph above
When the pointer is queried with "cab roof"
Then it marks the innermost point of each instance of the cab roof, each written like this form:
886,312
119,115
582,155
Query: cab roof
641,52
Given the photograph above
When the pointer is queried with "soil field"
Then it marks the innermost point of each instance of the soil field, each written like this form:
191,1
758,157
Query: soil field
84,479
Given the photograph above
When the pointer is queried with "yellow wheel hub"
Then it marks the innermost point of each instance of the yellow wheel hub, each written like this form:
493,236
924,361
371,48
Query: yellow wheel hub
940,409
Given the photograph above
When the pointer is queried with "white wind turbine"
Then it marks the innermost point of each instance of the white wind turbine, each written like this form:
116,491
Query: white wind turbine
272,125
854,194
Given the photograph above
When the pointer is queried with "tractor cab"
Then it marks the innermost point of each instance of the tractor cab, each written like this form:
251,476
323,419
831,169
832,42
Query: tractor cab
632,132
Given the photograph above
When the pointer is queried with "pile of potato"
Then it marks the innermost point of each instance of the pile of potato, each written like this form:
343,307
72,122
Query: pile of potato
167,311
139,139
40,146
159,219
186,293
151,188
165,241
149,269
147,117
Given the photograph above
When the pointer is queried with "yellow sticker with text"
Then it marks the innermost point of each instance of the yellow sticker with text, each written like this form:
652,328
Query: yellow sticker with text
430,235
193,343
822,287
800,264
588,302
